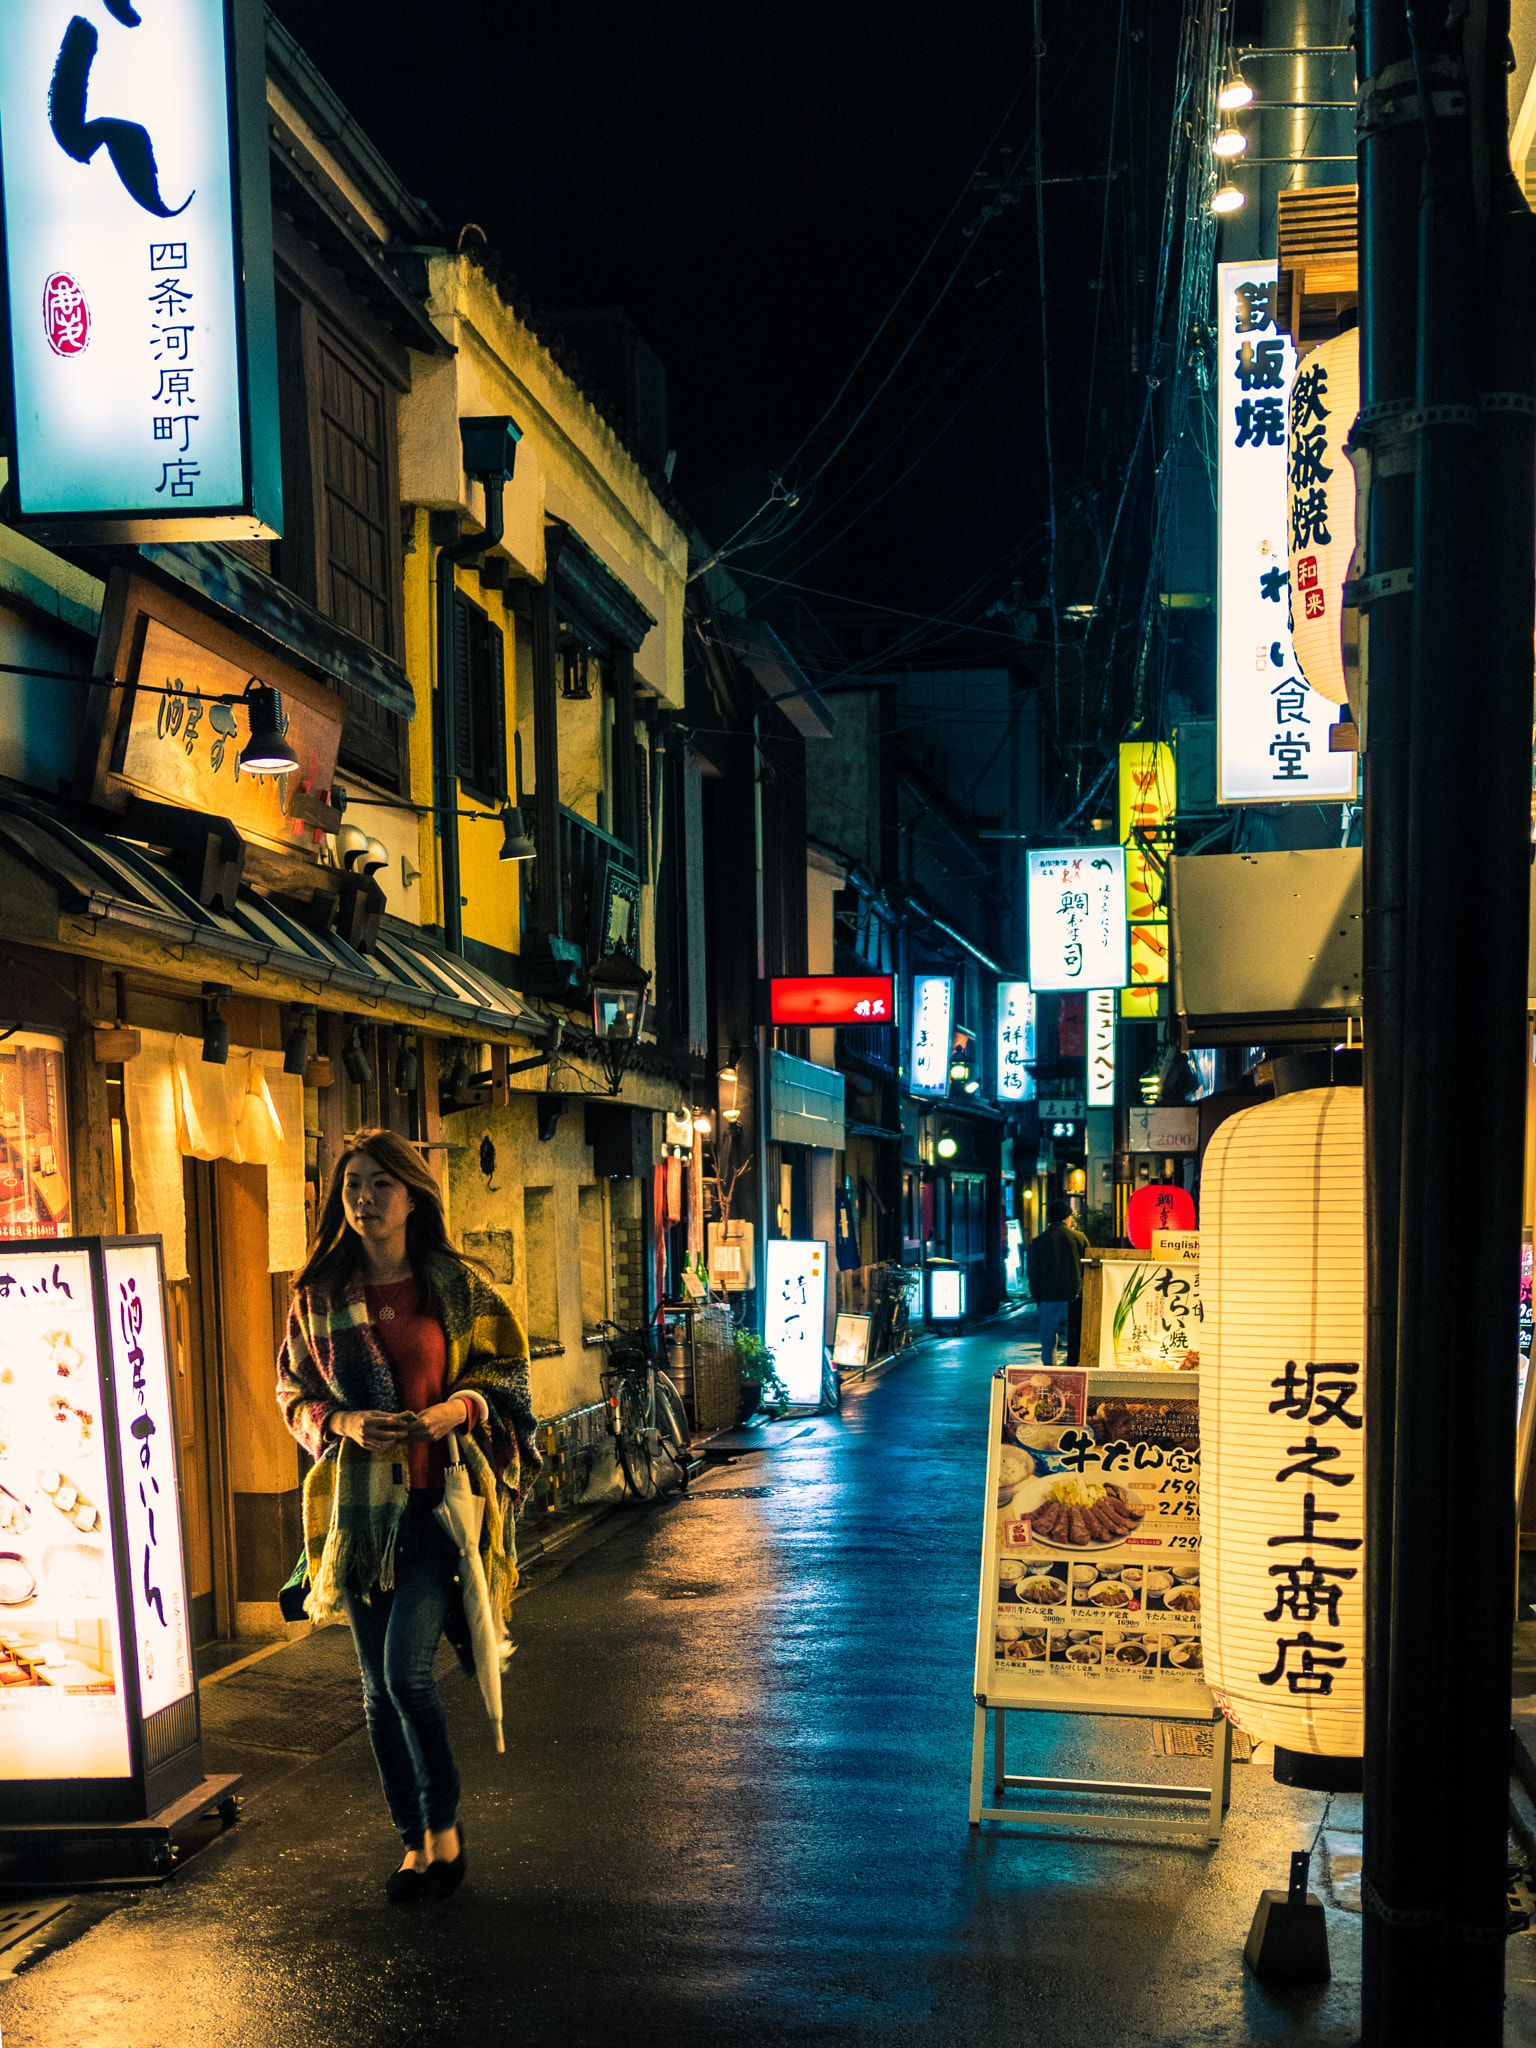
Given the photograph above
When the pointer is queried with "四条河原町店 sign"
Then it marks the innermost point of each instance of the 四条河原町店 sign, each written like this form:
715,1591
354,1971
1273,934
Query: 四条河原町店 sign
1272,729
138,270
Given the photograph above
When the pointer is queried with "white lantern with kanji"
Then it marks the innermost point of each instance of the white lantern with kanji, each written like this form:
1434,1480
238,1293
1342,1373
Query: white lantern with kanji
1282,1426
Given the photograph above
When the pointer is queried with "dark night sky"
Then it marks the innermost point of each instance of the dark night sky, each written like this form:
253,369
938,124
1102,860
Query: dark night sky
755,184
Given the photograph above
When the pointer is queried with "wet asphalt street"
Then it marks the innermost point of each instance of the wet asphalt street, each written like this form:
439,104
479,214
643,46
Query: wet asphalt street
733,1809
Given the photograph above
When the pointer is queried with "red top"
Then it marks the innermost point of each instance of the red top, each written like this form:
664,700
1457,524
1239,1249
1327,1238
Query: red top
417,1350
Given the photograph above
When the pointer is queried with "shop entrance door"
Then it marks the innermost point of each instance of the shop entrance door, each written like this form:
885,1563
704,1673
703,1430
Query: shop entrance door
192,1311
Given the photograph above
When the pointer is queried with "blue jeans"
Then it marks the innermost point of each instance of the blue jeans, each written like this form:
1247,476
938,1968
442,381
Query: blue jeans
1053,1323
397,1634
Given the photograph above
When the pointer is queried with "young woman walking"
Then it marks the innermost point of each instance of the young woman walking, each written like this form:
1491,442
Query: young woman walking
394,1341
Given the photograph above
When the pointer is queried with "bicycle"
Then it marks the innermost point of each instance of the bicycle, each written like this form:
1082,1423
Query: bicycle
645,1412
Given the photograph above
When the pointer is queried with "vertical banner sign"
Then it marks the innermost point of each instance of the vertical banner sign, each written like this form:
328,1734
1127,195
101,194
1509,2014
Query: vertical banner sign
1272,729
1147,804
1077,919
1325,397
1102,1019
146,1442
794,1324
933,1003
138,270
1015,1041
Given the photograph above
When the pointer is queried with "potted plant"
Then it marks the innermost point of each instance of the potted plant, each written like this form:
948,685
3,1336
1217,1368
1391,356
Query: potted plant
760,1382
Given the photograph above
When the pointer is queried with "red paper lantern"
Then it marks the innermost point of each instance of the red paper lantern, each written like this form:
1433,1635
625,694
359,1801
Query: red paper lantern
1156,1207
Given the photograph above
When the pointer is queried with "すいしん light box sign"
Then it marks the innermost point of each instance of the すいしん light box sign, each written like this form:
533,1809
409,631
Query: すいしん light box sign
137,275
933,1006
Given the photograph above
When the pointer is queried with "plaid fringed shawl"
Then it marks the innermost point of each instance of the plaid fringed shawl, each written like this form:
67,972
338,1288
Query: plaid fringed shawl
354,1499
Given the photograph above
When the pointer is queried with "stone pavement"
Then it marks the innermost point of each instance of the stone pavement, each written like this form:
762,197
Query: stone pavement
733,1809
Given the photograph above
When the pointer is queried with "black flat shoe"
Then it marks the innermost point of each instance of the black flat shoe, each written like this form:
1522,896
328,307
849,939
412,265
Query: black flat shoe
442,1880
404,1886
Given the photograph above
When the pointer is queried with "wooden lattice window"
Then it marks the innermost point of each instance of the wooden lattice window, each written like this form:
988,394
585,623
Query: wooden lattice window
357,500
341,542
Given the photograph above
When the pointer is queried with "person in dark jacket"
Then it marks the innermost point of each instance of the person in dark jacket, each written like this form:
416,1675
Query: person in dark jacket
1055,1268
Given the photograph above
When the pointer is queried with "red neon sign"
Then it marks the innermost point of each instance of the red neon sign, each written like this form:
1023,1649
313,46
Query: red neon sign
821,999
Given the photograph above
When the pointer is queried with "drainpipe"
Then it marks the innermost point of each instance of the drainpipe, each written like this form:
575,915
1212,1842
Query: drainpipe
489,453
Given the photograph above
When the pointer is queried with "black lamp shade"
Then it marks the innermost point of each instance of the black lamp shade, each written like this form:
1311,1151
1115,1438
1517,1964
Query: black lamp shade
355,1060
406,1069
296,1050
515,843
266,752
215,1040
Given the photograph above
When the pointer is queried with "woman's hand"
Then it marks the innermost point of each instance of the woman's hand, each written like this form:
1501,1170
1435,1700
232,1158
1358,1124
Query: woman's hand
433,1424
371,1429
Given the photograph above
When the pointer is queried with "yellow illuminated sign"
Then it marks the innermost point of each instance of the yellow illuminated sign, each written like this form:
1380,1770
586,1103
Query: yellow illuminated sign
1147,805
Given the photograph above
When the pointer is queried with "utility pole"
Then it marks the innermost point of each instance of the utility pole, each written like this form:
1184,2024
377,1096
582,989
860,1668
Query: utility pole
1447,417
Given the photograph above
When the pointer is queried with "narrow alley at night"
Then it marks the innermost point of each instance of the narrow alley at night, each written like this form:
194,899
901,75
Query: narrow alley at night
768,1024
734,1810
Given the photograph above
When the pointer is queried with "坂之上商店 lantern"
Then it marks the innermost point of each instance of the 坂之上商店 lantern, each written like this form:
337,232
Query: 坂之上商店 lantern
1282,1423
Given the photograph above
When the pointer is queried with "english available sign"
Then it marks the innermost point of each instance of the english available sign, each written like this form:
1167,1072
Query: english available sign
138,270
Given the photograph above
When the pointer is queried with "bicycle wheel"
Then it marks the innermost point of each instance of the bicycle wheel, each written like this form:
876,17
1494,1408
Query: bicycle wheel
635,1458
672,1425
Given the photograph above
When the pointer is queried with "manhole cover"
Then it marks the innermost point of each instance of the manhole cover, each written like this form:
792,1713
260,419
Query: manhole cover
730,1493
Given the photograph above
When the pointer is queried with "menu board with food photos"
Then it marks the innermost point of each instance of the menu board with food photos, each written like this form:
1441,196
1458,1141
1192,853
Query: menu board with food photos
1090,1589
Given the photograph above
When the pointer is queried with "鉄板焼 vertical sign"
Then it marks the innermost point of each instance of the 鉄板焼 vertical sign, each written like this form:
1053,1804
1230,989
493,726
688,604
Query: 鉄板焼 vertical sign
1325,396
138,270
1272,728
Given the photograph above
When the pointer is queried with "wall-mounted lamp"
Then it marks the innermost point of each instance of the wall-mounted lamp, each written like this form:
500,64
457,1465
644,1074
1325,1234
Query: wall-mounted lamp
1227,200
298,1046
515,843
358,1066
946,1147
407,1067
215,1026
575,682
267,751
728,1083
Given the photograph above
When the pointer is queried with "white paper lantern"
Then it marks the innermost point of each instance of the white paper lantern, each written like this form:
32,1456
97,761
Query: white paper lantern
1282,1275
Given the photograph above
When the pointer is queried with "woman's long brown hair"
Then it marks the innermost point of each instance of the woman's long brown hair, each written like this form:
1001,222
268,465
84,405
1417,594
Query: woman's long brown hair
335,1257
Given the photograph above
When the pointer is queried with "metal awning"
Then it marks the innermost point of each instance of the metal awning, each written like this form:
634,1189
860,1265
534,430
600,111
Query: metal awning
95,875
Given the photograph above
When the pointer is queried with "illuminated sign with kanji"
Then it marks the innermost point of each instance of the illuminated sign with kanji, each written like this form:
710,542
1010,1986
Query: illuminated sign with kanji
1325,397
1077,934
933,1007
821,999
138,270
1015,1041
1272,728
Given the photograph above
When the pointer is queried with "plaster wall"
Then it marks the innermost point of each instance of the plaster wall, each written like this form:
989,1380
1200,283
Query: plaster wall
546,1232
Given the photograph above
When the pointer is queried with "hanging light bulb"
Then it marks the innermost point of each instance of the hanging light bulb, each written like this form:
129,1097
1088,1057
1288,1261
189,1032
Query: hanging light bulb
1237,92
1227,200
1229,142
